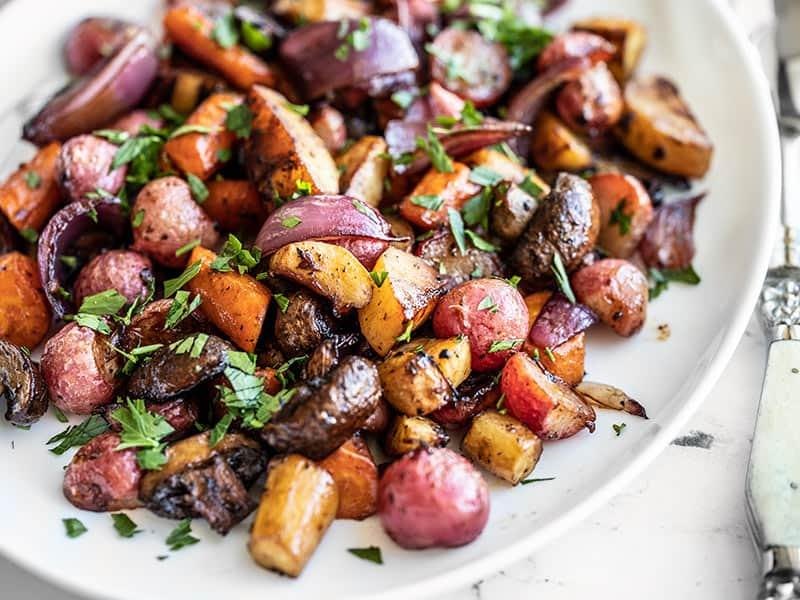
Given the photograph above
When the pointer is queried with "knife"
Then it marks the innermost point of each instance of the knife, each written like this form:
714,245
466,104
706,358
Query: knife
773,476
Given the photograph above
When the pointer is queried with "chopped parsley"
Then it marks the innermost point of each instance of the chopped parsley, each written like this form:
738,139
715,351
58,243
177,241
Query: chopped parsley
479,242
74,527
181,308
530,187
300,109
618,428
255,38
406,335
186,129
403,98
435,151
115,136
291,222
239,120
33,180
234,254
489,304
514,280
371,553
181,536
282,302
485,176
378,277
522,41
476,210
144,430
358,39
620,218
429,201
224,31
173,285
188,247
137,219
124,525
135,356
29,235
550,354
470,116
503,345
660,279
224,154
197,187
78,435
562,279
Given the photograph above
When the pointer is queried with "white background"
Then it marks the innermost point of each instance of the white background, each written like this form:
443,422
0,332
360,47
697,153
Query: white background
677,532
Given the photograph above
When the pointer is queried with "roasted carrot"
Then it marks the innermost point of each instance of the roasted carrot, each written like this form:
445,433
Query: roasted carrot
199,152
426,206
356,476
235,205
190,29
30,195
237,304
24,313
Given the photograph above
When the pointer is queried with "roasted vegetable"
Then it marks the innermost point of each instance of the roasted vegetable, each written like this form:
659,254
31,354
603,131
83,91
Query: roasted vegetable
129,273
299,503
433,497
330,127
283,149
454,267
593,102
84,166
356,477
21,385
427,205
625,212
658,127
303,325
554,147
149,326
235,204
236,303
502,445
413,383
476,394
24,314
323,414
364,167
628,36
329,270
30,195
402,302
409,433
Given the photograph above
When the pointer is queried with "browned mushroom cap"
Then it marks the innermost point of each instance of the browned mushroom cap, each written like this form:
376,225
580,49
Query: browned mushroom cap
324,413
21,384
203,481
180,367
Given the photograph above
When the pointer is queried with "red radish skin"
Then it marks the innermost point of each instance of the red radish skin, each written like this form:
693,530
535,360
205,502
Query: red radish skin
127,272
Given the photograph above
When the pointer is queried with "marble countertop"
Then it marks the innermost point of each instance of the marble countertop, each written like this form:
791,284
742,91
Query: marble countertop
677,531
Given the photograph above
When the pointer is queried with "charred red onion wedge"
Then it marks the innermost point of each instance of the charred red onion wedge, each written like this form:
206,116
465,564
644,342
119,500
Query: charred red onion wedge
64,228
458,141
323,58
110,89
338,219
559,320
92,40
526,103
668,242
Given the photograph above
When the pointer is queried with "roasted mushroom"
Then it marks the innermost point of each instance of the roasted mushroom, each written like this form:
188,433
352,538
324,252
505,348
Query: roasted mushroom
199,480
180,367
304,324
455,267
21,384
324,413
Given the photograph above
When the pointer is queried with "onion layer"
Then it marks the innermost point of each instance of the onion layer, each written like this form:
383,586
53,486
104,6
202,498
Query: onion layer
112,88
314,53
338,219
92,40
65,228
668,242
559,320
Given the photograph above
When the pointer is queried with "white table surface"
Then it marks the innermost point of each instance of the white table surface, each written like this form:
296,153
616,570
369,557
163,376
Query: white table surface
677,532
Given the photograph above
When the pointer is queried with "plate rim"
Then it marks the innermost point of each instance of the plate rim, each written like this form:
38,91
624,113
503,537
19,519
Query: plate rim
477,569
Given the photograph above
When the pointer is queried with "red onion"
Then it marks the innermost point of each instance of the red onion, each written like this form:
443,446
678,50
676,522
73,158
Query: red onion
310,52
459,141
559,320
66,227
329,218
366,250
526,103
668,242
112,88
92,40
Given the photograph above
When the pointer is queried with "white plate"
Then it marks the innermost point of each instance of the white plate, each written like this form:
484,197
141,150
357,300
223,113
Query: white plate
696,43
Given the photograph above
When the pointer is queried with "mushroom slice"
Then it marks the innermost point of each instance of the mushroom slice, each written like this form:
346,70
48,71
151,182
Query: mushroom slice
22,386
199,480
180,367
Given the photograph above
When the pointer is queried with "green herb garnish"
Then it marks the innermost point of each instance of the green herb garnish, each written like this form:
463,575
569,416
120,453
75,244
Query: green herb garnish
74,527
144,430
124,525
562,279
371,553
78,435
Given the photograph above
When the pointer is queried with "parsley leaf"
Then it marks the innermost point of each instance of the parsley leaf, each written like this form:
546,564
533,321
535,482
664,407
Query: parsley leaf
562,279
300,109
74,527
530,187
173,285
406,335
224,31
282,302
33,180
239,120
234,253
29,235
457,227
489,304
188,247
522,41
618,427
144,430
109,302
198,188
479,242
255,38
485,176
661,278
181,536
372,554
78,435
503,345
620,218
378,277
181,308
186,129
403,98
358,39
429,201
124,525
476,209
115,136
436,152
291,222
137,219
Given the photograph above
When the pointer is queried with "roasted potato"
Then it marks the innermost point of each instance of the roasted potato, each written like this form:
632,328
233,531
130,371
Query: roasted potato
409,433
554,147
402,302
299,503
490,313
283,149
426,206
356,476
433,497
237,304
542,401
330,127
592,103
658,127
452,355
197,152
628,36
625,212
190,28
31,195
512,210
327,269
24,312
413,383
502,165
313,11
502,445
364,167
617,291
